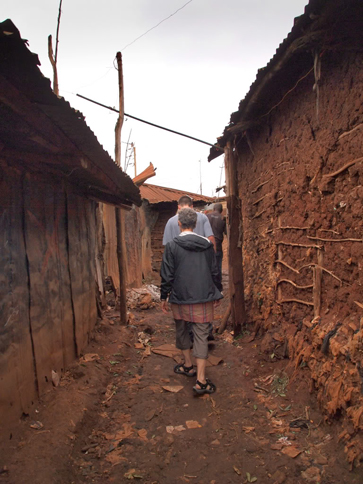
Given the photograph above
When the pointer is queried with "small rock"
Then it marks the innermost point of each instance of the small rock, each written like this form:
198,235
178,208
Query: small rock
312,474
251,447
169,440
215,442
320,460
278,477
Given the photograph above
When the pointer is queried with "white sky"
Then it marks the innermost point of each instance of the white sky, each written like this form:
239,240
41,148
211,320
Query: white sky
189,74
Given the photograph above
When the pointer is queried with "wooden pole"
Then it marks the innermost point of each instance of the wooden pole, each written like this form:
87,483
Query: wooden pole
54,65
224,320
135,159
119,214
317,274
235,243
57,36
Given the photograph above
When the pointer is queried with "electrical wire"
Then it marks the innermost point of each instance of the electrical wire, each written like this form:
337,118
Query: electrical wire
155,26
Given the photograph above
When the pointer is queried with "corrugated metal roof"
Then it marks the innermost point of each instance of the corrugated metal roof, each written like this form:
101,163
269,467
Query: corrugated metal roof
23,83
323,25
155,194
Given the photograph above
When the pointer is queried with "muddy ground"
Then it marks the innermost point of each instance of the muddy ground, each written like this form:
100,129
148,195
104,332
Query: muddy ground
113,419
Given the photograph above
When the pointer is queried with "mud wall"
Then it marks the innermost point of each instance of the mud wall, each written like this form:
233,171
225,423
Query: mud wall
47,283
164,211
301,184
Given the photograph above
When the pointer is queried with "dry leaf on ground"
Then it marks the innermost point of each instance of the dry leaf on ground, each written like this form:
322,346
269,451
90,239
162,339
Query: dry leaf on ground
291,451
171,429
215,442
132,474
120,434
172,388
248,429
192,424
142,433
37,425
236,470
90,357
150,415
147,351
115,457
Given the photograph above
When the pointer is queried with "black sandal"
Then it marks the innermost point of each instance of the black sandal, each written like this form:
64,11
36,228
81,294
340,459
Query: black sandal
207,387
181,369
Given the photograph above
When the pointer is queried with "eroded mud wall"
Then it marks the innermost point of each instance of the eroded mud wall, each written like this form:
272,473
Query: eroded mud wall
164,211
47,283
301,186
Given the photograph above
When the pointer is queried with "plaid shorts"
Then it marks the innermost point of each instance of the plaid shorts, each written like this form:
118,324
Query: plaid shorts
194,313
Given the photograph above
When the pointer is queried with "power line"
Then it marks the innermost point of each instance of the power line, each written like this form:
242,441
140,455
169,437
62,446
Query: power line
151,124
155,26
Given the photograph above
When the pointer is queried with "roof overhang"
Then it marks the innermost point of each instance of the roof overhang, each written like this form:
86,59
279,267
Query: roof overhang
42,132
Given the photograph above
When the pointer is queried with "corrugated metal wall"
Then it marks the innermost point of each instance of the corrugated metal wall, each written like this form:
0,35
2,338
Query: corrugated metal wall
47,283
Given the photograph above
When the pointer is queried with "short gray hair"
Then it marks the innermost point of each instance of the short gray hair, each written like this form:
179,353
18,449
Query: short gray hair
188,218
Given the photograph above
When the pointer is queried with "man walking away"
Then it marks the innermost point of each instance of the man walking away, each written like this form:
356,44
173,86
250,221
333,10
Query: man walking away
218,224
188,281
202,227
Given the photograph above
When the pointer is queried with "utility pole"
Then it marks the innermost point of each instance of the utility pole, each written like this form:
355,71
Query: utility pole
53,59
135,159
119,214
200,175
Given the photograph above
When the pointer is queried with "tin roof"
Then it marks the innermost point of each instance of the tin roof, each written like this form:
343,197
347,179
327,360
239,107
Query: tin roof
155,194
324,25
36,124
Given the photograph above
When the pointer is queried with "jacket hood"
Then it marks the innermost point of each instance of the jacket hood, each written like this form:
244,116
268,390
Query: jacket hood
193,242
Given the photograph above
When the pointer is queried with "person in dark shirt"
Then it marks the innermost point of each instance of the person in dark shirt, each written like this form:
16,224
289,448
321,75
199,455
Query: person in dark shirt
218,224
188,282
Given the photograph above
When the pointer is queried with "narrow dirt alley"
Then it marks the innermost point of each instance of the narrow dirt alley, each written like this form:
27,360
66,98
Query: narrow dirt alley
121,414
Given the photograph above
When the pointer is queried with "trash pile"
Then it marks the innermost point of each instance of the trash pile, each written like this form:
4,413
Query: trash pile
143,298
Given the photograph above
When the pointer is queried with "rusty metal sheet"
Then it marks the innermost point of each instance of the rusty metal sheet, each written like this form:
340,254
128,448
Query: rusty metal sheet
17,373
156,194
81,240
50,304
111,262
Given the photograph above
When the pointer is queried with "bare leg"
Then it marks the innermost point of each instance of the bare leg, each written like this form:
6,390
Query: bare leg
201,364
187,358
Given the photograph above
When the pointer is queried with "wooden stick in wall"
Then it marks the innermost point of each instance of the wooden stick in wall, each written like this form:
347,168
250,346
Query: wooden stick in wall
279,257
336,240
317,274
295,285
343,168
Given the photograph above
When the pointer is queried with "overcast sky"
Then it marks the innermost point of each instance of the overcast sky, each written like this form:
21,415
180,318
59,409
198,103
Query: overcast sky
188,74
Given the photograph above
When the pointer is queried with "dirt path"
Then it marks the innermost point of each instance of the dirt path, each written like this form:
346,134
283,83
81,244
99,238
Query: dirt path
110,420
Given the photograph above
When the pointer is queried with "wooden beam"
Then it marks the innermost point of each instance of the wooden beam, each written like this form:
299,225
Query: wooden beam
235,242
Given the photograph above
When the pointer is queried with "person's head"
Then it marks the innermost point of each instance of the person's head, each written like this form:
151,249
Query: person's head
218,207
187,219
184,202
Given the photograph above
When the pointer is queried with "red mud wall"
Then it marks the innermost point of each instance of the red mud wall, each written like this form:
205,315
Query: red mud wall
291,195
47,283
163,211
